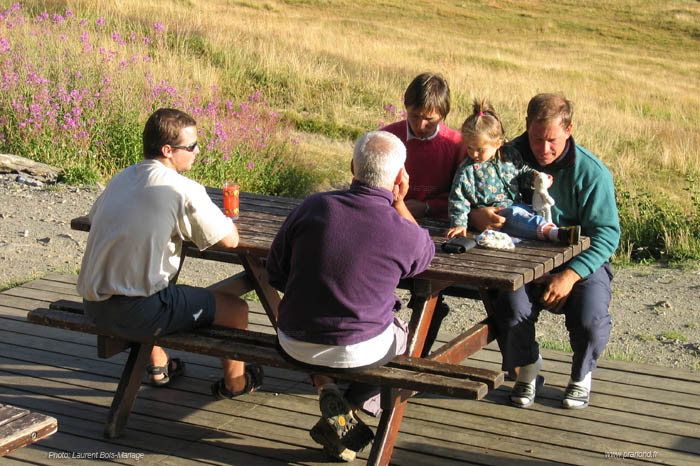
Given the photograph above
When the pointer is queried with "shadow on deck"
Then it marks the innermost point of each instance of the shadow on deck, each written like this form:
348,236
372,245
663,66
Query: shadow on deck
646,413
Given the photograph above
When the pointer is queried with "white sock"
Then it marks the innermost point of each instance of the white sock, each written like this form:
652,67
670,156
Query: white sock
585,383
553,234
528,373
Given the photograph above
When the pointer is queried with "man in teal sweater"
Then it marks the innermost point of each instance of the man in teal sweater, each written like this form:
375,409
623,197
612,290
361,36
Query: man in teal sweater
584,195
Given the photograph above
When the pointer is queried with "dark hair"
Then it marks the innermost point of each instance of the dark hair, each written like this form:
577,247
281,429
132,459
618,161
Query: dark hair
483,123
545,108
430,92
164,127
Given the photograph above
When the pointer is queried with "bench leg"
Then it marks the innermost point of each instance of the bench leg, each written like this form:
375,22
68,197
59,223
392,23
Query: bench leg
126,391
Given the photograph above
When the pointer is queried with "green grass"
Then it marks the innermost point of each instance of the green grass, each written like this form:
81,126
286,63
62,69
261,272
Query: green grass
557,345
251,296
628,356
673,336
20,282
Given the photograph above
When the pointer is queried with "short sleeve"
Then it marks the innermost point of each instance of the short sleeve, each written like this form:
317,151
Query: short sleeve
201,221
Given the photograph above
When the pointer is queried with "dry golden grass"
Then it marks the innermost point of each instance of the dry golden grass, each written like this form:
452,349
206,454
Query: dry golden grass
631,67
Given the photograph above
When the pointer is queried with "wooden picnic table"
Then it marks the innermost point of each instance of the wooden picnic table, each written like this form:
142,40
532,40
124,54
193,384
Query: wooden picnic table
19,427
471,274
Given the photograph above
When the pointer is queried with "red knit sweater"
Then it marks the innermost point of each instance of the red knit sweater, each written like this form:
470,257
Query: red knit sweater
431,165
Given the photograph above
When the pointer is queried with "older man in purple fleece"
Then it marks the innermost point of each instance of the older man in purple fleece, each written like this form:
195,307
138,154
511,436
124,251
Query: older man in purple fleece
338,259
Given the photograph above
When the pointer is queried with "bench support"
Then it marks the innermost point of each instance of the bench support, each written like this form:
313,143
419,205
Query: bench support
129,384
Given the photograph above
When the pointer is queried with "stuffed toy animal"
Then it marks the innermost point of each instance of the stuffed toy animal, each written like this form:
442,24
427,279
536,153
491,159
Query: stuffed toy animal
542,202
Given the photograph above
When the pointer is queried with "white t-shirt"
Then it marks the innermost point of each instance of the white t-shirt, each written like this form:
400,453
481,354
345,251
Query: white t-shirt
359,354
138,226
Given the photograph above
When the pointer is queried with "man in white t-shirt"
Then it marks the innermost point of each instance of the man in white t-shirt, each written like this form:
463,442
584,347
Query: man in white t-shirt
138,225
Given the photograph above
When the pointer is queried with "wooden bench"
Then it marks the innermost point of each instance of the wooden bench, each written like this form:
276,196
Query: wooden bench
402,377
20,427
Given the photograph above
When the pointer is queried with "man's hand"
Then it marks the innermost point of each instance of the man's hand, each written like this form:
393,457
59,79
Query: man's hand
557,288
416,207
486,218
456,231
401,186
400,190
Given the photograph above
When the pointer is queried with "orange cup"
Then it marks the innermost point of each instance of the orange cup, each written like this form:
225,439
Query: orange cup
231,193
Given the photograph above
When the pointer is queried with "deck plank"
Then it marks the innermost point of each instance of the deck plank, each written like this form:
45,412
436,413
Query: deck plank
634,407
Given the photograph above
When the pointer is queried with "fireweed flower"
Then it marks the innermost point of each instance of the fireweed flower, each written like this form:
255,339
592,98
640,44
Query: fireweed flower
85,99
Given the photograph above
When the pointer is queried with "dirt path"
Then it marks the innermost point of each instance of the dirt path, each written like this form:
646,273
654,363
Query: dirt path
654,309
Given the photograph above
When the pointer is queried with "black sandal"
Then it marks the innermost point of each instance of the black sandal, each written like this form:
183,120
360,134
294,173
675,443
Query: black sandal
253,381
174,368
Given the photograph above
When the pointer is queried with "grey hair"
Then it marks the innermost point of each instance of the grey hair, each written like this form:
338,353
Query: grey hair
377,158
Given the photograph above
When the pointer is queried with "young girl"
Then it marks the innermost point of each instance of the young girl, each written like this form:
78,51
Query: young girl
494,174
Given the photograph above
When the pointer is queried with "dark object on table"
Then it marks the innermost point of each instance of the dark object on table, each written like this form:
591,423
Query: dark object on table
458,245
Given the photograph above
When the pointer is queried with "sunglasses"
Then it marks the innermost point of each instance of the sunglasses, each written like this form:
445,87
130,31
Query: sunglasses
188,148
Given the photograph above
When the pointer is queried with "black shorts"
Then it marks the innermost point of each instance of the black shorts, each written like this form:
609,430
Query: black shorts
176,308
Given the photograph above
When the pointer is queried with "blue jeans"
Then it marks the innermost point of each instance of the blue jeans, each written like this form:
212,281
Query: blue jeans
521,221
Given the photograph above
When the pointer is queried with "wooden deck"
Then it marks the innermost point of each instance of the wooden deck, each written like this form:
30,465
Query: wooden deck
650,412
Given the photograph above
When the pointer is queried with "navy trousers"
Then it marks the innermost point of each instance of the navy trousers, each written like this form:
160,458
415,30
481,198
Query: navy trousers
587,320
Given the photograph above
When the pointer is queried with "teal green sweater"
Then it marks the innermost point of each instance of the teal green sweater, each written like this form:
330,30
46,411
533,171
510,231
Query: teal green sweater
584,194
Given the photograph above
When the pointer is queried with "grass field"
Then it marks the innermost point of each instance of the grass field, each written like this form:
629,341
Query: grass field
333,67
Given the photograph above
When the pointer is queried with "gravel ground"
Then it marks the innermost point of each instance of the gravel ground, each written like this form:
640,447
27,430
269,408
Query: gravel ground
654,308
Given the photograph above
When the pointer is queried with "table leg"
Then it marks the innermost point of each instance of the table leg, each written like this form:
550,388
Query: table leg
394,400
129,384
269,297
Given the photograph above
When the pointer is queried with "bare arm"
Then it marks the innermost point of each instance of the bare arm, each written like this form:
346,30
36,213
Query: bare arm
230,240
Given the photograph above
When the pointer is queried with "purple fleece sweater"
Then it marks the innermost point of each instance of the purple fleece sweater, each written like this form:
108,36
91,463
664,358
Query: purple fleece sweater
338,259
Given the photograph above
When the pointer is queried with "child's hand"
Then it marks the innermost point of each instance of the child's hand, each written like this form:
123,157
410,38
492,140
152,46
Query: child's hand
456,231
